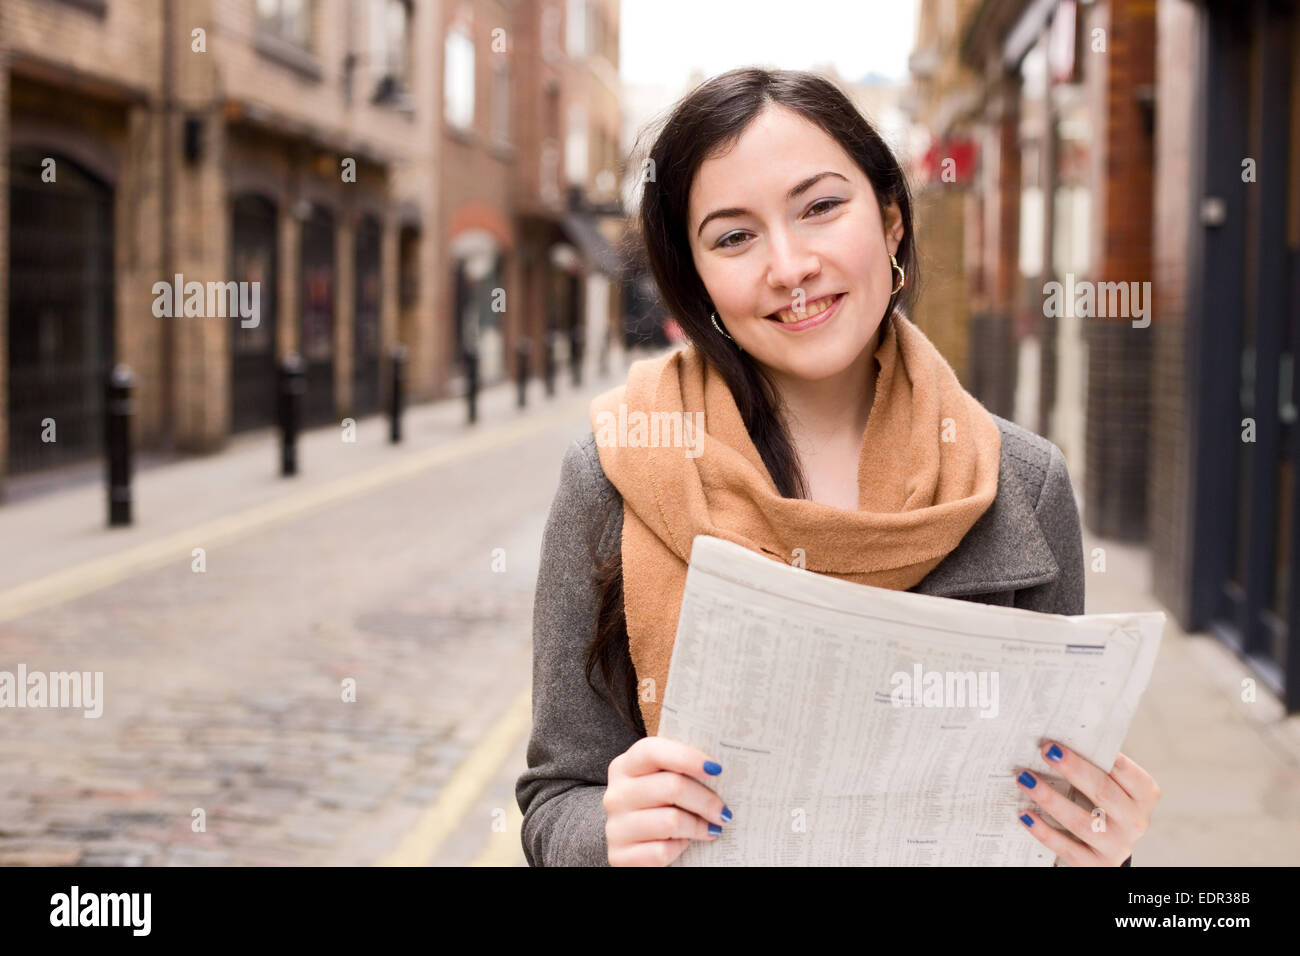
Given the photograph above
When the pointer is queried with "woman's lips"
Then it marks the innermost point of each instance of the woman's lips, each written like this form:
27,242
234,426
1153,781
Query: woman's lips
811,321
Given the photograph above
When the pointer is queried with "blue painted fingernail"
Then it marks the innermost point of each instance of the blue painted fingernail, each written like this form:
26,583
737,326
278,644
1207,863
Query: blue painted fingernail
1027,779
714,829
1055,753
726,814
1026,819
713,768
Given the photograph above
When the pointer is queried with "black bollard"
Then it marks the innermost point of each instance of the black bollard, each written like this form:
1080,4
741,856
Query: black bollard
548,363
119,409
575,355
521,370
471,384
293,386
399,393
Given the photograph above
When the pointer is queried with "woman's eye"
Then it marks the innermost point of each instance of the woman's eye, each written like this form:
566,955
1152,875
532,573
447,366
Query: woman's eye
724,244
829,203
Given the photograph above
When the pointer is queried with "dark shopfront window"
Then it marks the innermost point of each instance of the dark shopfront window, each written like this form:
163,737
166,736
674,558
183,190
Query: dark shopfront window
60,336
254,246
365,327
1246,511
316,311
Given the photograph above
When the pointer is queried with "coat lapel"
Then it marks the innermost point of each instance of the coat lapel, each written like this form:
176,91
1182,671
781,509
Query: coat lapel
1004,550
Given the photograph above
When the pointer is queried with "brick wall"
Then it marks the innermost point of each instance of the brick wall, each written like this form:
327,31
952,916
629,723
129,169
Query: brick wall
1115,484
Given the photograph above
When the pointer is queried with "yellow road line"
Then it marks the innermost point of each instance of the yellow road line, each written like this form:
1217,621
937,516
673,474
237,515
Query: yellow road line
445,814
99,573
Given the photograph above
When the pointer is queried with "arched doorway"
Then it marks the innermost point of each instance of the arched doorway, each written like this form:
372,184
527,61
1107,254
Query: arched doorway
61,324
316,314
252,349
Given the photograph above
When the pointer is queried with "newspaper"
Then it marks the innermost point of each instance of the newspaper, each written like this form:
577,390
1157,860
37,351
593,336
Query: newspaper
861,726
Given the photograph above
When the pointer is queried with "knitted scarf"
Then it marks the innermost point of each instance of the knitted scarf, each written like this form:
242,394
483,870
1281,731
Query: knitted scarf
672,442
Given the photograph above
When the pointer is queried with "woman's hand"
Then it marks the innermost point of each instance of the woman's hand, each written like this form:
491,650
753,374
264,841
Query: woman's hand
1125,798
655,802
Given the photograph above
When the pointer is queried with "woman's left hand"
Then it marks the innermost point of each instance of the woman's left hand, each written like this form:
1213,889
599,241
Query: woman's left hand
1124,799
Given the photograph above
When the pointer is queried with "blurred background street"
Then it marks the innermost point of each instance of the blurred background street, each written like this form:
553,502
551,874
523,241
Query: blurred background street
244,245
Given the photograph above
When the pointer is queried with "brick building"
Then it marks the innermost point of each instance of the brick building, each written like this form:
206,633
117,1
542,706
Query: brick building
1121,154
375,168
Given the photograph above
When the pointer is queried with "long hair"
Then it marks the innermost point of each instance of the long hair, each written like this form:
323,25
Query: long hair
707,121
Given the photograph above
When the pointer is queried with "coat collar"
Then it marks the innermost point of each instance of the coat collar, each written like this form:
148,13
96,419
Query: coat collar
1004,550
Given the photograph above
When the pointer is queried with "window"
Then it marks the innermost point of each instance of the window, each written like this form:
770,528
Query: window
288,20
390,51
501,100
576,24
575,147
458,80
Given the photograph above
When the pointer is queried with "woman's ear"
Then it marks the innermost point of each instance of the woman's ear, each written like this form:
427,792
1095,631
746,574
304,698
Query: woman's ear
893,223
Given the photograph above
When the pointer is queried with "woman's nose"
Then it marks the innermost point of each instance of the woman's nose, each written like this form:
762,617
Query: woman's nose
791,264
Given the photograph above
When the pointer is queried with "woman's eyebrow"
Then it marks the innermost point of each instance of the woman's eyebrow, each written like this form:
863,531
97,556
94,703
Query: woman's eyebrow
794,193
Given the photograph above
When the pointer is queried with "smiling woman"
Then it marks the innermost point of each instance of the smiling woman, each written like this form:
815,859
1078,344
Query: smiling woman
780,234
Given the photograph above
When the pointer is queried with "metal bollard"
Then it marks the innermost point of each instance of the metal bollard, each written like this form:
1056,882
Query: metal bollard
548,363
293,386
576,348
521,370
399,391
471,384
119,409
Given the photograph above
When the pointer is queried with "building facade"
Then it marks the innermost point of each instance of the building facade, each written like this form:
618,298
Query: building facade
1132,232
366,174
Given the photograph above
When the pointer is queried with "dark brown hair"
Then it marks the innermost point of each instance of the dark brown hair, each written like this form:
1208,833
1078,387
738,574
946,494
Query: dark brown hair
708,121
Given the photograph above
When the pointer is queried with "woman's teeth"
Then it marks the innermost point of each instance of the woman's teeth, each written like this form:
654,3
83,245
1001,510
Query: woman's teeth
821,305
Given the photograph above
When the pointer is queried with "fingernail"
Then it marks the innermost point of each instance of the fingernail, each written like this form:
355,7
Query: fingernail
714,829
1026,819
1055,753
713,768
1027,779
726,814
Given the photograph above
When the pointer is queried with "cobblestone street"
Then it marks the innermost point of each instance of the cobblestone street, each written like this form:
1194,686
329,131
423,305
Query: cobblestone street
223,689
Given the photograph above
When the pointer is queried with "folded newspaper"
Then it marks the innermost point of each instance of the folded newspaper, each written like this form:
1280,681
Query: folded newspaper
861,726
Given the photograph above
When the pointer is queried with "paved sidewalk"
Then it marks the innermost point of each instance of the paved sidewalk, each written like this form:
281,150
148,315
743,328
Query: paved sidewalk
1229,771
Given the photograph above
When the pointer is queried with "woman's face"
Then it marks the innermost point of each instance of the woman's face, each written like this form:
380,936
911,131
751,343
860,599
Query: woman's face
799,223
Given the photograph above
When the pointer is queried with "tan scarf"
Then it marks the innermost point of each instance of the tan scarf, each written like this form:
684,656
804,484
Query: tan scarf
927,470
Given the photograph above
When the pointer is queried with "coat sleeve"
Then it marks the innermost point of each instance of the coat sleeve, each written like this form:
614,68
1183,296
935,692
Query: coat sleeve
575,732
1058,515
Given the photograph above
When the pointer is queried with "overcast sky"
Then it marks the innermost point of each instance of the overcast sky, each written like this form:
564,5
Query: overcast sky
662,41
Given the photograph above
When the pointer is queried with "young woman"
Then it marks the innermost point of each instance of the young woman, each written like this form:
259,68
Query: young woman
778,226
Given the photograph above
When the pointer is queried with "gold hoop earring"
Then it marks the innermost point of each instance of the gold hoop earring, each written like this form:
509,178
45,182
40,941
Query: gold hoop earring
902,276
718,327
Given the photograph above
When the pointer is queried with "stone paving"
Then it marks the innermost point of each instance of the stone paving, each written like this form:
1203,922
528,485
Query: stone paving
223,689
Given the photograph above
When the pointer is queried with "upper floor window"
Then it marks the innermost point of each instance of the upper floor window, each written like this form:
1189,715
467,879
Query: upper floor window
288,20
390,48
576,24
458,78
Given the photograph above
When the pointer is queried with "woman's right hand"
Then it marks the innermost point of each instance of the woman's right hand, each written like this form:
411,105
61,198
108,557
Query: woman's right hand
655,802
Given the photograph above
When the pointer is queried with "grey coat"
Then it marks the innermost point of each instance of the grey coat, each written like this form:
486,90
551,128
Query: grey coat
1024,551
